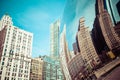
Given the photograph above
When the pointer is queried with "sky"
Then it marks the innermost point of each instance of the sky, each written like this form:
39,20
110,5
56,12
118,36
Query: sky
34,16
74,10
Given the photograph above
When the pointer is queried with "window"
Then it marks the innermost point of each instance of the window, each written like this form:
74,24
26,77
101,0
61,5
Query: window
8,73
6,78
5,50
0,72
2,63
3,59
6,46
4,53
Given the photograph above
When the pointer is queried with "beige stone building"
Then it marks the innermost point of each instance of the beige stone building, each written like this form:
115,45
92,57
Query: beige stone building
104,35
15,51
36,69
86,46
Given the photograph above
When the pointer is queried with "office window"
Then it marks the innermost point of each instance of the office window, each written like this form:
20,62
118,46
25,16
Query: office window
2,63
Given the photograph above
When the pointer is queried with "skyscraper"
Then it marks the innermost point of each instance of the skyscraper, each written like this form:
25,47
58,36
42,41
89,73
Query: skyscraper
15,51
104,27
54,39
64,54
51,67
86,46
111,7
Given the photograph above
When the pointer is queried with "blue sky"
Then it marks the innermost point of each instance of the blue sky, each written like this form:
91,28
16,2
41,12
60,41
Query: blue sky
74,10
34,16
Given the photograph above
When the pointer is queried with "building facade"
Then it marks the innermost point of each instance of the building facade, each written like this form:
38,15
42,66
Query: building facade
75,48
87,50
64,54
36,69
76,67
54,59
103,27
112,8
117,29
15,51
54,39
118,7
51,69
2,40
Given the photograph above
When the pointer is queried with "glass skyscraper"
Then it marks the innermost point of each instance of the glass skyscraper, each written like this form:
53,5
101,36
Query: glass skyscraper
54,39
51,65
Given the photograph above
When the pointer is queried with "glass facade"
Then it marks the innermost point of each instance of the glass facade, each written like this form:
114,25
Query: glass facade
112,9
73,10
51,69
118,7
51,66
54,39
